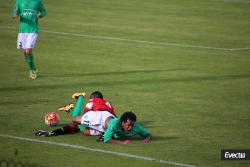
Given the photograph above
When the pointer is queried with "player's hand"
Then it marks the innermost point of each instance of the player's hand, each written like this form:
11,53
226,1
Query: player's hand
127,142
15,16
147,139
39,15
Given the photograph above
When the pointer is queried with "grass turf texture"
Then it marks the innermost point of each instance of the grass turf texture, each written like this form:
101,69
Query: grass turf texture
194,100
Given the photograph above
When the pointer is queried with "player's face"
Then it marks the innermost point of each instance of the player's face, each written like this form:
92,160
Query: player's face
127,126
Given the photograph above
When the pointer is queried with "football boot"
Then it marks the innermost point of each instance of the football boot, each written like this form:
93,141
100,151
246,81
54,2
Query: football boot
67,107
76,95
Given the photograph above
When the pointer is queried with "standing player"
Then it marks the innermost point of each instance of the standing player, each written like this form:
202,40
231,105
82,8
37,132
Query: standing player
29,12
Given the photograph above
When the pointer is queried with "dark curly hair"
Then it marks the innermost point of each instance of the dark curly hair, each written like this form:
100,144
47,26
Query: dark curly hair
128,116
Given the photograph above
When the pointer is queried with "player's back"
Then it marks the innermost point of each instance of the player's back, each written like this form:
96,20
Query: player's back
98,104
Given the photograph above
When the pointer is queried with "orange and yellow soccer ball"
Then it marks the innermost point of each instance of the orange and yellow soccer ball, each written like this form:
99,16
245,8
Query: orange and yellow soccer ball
51,119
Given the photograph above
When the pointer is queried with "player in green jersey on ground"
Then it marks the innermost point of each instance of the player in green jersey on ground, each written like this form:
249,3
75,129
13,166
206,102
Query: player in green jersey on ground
114,130
120,130
29,11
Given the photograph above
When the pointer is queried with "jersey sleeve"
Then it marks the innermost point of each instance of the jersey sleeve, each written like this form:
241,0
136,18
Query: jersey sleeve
42,9
16,8
110,131
141,130
89,106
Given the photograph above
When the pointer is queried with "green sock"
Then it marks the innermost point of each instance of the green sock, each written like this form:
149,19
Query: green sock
82,127
77,110
26,59
30,61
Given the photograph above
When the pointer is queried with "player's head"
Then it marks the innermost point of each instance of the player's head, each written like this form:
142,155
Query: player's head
127,121
96,94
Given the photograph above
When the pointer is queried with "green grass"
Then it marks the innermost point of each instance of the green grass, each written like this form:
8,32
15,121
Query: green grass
193,96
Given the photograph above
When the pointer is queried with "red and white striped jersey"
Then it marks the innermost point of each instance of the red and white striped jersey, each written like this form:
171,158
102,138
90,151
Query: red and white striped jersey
98,104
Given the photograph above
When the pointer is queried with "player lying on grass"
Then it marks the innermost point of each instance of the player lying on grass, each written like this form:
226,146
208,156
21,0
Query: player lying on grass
95,103
116,130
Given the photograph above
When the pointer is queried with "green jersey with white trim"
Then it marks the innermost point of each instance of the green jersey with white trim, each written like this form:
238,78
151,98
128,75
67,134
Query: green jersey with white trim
114,130
28,11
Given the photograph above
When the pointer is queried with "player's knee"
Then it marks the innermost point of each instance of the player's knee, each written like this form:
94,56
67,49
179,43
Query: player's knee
28,51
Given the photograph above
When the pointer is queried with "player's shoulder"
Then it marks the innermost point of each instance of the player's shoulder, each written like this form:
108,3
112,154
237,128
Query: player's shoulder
113,125
137,126
115,122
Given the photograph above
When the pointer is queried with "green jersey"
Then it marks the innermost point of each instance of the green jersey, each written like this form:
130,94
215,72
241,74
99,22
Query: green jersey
114,130
28,10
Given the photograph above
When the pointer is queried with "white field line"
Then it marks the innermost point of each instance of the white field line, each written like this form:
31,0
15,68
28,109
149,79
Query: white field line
97,150
136,41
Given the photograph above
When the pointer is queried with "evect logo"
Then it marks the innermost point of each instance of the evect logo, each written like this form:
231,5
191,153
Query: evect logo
235,154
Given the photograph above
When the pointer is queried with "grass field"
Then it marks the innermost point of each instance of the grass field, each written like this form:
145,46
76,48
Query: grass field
182,66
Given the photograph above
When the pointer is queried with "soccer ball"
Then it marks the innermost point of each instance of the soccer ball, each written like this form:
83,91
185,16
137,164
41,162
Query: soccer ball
51,119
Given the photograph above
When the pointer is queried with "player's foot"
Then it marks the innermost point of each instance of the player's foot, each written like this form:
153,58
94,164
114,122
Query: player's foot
43,133
33,74
76,95
67,107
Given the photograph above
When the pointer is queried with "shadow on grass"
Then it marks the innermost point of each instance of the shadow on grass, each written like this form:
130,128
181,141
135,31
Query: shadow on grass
16,163
61,84
62,125
157,138
115,73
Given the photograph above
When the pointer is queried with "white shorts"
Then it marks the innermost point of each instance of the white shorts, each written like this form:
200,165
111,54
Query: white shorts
96,119
26,40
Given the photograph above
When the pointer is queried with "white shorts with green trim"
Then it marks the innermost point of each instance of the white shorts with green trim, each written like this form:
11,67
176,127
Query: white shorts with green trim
96,119
26,40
